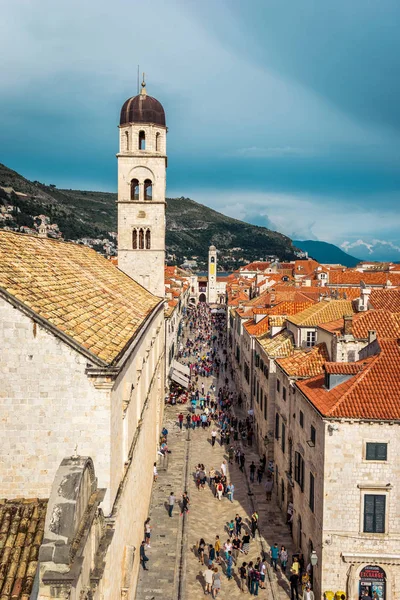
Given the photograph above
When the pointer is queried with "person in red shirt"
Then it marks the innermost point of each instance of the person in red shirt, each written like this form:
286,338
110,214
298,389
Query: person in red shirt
180,419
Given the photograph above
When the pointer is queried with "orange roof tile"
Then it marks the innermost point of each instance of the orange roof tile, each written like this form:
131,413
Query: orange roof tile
21,533
254,328
341,368
304,363
75,290
322,312
373,393
384,322
349,277
389,299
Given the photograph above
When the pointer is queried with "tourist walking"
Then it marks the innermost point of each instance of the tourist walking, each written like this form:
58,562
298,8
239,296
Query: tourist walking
143,557
274,554
147,532
216,584
185,503
283,557
243,577
155,472
208,577
171,503
229,564
308,594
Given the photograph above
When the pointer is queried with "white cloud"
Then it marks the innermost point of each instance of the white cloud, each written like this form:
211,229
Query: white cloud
371,246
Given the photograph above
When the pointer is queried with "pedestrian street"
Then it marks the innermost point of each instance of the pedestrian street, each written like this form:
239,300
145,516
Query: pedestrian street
174,568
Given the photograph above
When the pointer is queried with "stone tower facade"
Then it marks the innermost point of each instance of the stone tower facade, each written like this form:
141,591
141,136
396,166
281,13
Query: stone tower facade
142,162
212,275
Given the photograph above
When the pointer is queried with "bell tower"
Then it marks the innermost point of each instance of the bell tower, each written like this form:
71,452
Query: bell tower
212,275
142,162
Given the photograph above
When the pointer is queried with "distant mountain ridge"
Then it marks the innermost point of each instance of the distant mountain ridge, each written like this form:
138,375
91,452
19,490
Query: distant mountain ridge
191,227
324,252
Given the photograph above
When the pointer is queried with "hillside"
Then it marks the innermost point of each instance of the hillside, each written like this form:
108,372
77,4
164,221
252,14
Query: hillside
326,253
191,227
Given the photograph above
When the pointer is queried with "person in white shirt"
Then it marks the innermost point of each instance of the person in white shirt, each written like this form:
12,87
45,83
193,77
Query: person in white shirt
308,594
208,576
223,468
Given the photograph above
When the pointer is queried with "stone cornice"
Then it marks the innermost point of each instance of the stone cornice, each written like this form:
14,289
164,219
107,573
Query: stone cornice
367,557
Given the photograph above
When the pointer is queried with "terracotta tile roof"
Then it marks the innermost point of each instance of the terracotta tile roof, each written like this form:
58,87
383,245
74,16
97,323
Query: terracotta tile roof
305,267
289,308
257,328
304,363
385,323
322,312
349,277
389,299
341,368
21,533
76,290
278,346
255,266
373,393
277,320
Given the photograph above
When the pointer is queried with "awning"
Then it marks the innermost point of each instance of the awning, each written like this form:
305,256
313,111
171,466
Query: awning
221,311
180,374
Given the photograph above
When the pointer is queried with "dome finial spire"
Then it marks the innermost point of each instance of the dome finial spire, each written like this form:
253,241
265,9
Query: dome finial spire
143,90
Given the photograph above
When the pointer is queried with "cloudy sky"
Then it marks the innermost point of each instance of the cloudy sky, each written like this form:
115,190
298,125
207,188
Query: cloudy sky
281,113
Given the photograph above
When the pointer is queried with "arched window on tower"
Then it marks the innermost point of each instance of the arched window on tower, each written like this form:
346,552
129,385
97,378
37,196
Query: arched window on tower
142,140
134,239
213,259
148,189
158,142
134,189
148,239
141,239
127,148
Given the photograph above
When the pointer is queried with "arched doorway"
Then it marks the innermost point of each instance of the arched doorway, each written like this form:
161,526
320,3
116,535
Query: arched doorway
202,298
373,581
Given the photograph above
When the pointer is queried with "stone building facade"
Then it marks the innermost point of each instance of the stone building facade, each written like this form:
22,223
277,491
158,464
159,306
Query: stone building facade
83,367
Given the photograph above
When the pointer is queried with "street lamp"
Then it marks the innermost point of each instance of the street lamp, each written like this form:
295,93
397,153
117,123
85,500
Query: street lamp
314,558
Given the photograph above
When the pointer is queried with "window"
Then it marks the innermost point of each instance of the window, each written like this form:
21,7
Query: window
376,451
265,407
158,139
278,385
142,140
212,259
299,470
134,239
148,239
283,439
148,189
284,393
282,491
266,371
134,189
301,419
312,486
126,141
277,426
258,391
247,373
261,401
374,513
311,338
312,434
141,239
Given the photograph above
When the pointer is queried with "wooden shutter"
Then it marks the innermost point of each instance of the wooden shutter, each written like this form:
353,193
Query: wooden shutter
380,506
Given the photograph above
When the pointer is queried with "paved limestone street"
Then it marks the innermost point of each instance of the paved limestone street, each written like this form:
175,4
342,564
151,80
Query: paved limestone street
175,572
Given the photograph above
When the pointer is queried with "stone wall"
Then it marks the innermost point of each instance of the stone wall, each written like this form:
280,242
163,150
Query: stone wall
47,406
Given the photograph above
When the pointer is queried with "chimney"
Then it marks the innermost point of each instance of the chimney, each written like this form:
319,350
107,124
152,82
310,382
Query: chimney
371,336
364,299
348,324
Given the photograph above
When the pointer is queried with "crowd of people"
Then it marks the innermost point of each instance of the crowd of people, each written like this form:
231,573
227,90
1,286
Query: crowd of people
203,350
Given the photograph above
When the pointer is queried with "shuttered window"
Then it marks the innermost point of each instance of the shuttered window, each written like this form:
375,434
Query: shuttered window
374,513
312,486
376,451
283,440
277,426
299,470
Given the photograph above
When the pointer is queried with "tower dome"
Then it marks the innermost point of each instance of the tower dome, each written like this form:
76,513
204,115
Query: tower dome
142,109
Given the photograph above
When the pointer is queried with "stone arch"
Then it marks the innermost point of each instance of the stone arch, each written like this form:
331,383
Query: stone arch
202,297
142,140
